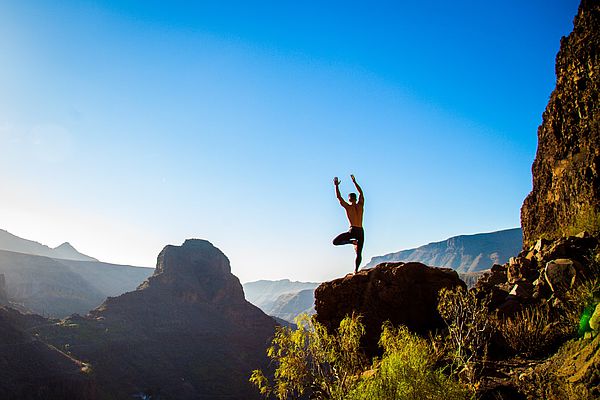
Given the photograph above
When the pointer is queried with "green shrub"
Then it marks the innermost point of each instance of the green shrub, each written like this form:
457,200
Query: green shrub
311,362
406,371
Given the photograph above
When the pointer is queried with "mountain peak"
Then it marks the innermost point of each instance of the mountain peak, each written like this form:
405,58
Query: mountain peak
65,246
68,252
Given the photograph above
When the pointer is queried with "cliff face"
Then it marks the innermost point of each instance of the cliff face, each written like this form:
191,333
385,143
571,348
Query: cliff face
187,332
566,172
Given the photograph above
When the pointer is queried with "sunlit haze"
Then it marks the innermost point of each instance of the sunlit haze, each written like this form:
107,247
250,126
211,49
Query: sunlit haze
129,125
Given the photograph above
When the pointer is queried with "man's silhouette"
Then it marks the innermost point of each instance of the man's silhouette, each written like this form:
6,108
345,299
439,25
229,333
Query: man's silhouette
354,211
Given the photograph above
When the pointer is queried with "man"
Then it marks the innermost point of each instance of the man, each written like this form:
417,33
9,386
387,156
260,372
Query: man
354,211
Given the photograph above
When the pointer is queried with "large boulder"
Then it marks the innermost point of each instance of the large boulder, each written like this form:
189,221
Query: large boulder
402,293
565,198
562,275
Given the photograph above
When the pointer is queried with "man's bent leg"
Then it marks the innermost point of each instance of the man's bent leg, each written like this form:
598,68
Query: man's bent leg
343,238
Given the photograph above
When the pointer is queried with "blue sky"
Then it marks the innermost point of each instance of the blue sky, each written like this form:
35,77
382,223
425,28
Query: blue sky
129,125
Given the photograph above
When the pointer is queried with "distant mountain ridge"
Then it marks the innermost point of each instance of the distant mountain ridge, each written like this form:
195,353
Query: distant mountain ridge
58,288
64,281
464,253
66,251
289,305
283,298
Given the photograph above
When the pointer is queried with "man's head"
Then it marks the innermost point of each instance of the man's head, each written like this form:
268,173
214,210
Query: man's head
352,198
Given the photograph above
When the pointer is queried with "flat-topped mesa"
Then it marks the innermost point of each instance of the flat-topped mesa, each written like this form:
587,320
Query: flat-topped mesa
402,293
565,198
195,271
195,274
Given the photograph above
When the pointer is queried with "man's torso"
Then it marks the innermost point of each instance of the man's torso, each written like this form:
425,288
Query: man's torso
355,214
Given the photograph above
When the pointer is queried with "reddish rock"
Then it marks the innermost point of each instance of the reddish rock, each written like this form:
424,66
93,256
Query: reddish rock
403,293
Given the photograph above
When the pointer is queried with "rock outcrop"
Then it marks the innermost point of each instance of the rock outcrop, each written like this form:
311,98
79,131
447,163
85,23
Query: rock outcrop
544,273
402,293
186,333
566,172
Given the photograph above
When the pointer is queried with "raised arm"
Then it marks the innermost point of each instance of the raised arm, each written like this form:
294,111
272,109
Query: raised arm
359,189
337,182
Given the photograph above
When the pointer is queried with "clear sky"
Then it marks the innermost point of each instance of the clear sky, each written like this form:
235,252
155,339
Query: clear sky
128,125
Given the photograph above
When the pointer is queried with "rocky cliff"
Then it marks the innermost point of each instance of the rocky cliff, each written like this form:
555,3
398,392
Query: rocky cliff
187,332
566,172
402,293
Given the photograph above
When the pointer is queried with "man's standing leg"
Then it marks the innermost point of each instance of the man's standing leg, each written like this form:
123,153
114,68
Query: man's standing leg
359,234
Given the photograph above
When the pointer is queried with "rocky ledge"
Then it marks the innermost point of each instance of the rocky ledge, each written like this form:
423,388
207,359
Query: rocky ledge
402,293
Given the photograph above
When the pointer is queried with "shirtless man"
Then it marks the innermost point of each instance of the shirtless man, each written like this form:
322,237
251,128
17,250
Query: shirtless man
354,211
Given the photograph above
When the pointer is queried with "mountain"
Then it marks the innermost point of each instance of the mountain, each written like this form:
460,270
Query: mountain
67,252
264,293
186,333
565,198
58,287
465,253
10,242
289,305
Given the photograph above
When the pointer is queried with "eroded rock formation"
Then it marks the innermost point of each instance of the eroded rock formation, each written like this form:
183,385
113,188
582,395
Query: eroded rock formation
566,172
186,333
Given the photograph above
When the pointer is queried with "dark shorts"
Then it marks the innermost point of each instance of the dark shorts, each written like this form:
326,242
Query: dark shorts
355,233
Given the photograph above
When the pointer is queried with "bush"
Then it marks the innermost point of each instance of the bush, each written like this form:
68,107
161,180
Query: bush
531,331
406,371
311,362
469,330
